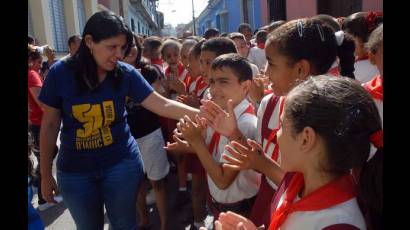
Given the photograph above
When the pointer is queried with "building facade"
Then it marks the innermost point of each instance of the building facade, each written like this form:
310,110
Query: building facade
53,21
226,15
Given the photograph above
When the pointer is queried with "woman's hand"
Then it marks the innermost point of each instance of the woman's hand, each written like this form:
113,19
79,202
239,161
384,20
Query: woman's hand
242,157
49,188
221,121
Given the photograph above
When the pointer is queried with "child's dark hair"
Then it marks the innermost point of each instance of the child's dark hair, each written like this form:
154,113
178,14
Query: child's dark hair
101,25
219,45
361,24
344,115
261,36
150,73
236,35
170,44
152,43
211,32
244,26
314,41
275,24
236,63
375,39
328,20
224,34
196,49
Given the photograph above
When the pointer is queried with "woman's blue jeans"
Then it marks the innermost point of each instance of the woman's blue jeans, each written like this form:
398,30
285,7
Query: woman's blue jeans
86,193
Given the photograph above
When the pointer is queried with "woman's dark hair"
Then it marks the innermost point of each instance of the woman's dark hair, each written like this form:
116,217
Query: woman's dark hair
375,39
101,25
196,49
328,20
33,53
361,24
314,41
236,63
344,115
219,45
211,32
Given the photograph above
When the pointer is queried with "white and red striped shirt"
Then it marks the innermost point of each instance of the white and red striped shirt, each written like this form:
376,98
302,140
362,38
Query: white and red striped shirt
246,183
364,71
269,113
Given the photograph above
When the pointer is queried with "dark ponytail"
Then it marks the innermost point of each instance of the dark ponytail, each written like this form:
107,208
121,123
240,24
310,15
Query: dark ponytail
371,190
345,52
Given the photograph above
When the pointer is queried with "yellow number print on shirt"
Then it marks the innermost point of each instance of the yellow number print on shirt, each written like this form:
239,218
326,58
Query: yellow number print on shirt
94,133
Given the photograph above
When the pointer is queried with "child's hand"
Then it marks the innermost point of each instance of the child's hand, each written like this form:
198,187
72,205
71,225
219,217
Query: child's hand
177,85
190,100
257,90
232,221
242,157
223,122
191,131
179,146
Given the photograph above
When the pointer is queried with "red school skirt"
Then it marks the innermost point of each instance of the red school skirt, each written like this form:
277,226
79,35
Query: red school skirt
261,213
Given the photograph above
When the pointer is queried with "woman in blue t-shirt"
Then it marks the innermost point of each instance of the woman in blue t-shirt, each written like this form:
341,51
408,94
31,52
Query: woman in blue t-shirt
99,163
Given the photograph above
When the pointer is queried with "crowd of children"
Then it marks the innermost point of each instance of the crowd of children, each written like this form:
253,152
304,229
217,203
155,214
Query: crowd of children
288,116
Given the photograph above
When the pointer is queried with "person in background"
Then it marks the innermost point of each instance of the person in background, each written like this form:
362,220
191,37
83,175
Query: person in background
246,30
51,59
73,44
211,33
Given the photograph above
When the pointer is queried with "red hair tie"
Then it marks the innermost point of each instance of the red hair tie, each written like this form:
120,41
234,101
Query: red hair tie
371,20
377,139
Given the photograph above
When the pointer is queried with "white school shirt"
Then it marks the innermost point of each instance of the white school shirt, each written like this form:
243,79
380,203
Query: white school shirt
347,212
257,56
273,123
364,71
255,70
246,184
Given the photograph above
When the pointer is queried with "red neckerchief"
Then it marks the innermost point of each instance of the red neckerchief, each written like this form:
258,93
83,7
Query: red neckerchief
334,71
200,85
362,58
270,134
337,191
217,136
157,61
261,45
375,87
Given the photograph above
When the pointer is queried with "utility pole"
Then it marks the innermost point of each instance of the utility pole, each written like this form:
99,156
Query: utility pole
193,18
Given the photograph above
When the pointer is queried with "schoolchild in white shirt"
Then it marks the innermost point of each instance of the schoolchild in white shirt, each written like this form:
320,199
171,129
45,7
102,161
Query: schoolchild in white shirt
230,80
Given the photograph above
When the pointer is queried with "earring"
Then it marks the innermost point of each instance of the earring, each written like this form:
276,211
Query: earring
91,51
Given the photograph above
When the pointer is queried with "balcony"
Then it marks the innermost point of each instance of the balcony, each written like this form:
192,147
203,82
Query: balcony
142,9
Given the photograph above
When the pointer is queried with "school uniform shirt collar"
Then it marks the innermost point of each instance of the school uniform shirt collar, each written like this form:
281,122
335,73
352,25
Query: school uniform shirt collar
241,107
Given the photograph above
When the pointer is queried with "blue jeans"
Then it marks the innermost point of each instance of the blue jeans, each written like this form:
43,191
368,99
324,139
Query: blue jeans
86,193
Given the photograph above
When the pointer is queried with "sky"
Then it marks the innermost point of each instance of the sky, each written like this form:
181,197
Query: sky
180,11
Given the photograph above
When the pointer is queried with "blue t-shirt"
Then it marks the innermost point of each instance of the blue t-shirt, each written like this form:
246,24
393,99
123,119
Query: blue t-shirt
95,134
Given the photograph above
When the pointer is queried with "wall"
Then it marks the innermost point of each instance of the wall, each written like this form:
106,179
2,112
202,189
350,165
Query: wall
298,9
372,5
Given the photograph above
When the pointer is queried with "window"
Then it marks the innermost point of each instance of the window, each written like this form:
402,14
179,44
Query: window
81,15
132,25
57,21
223,21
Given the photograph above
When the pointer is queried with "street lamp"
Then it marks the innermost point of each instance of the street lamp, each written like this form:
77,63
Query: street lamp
193,18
